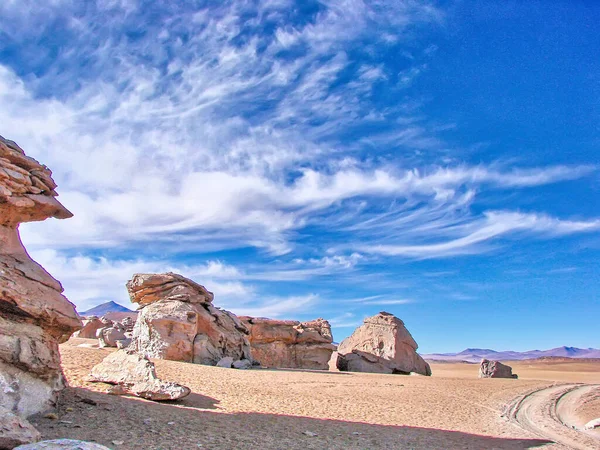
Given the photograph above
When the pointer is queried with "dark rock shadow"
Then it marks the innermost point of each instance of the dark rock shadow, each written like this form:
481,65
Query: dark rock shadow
192,424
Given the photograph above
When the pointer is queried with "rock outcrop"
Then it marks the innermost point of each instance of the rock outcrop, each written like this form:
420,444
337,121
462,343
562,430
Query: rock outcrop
63,444
34,315
14,430
134,374
110,334
495,369
382,344
90,326
177,321
289,343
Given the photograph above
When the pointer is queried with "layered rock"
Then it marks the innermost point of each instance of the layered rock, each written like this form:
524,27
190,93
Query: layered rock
495,369
34,315
90,326
177,321
382,344
132,373
289,343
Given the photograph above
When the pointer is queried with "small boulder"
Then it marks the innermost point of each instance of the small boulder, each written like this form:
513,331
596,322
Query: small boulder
14,430
63,444
226,362
495,369
135,374
242,364
592,424
123,343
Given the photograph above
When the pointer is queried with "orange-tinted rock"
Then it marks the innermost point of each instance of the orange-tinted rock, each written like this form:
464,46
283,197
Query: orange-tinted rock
382,344
177,321
289,343
34,315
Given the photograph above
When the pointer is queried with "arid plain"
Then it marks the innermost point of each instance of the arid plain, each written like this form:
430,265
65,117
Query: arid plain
281,409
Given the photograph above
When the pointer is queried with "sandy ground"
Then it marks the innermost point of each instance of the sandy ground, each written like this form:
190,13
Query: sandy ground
282,409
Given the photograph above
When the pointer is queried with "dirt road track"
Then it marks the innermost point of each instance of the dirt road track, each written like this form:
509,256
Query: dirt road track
550,413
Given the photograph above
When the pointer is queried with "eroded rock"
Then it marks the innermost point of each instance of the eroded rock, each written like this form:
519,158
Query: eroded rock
34,315
382,344
289,343
178,321
495,369
134,374
14,430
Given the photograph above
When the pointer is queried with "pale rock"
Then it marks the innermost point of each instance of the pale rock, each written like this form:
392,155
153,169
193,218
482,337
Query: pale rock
177,321
592,424
225,362
382,344
242,364
90,326
495,369
289,343
34,315
14,430
134,374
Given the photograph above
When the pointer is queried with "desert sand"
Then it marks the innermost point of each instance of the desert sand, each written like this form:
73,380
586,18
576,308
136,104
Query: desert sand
281,409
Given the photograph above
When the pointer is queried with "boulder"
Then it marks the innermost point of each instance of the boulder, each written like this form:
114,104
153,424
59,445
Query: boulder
592,424
242,364
123,343
109,336
90,326
289,343
382,344
34,315
225,362
14,430
63,444
177,321
134,374
495,369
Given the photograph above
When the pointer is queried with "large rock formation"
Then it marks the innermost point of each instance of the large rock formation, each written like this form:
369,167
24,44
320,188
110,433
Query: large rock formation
134,374
289,343
91,324
382,344
178,321
495,369
34,315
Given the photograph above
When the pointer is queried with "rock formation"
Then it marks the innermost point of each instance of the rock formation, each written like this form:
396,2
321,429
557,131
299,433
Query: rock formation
15,430
178,321
34,316
110,334
90,326
289,343
382,344
134,374
495,369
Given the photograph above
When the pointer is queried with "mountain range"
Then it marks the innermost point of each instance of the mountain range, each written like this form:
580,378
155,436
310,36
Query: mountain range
477,354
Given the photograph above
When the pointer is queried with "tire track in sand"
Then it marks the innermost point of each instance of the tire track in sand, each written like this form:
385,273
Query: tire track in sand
550,413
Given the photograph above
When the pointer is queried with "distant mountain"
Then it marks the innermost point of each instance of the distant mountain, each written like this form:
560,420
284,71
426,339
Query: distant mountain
105,308
477,354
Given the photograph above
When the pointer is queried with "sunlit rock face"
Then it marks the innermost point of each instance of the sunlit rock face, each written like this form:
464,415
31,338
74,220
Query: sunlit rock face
289,343
382,344
177,321
34,315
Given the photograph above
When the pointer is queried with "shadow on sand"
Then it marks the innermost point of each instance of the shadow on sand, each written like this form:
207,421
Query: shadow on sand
193,423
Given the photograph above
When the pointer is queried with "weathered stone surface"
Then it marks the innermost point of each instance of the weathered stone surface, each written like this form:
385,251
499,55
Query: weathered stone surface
495,369
34,316
592,424
226,362
108,336
90,326
289,343
242,364
177,321
135,375
382,344
63,444
14,430
123,343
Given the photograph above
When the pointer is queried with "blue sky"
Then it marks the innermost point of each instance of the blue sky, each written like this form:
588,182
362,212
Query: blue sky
437,160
